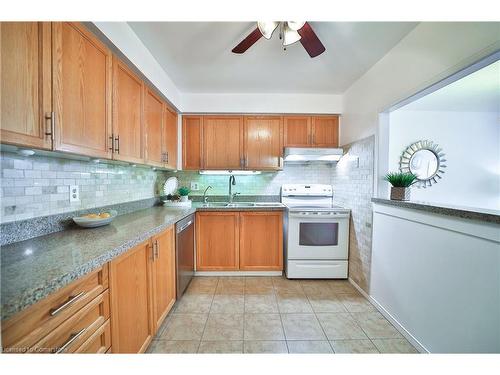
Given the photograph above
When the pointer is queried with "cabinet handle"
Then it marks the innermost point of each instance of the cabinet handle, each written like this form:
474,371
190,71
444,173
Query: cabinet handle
246,162
157,254
111,139
167,157
153,251
71,339
52,117
117,142
66,304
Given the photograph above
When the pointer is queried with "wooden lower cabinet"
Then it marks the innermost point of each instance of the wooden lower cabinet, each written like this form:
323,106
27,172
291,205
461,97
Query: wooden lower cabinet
29,327
217,241
132,325
261,241
164,288
246,240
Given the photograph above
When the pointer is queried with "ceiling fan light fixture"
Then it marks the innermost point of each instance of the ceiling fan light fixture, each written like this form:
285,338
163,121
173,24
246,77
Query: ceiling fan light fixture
295,25
289,36
267,28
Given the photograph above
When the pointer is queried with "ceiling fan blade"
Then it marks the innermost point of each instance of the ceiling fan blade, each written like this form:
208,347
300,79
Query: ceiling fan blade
249,41
310,41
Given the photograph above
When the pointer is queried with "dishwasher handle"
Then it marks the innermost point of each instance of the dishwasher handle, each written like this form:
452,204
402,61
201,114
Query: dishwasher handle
183,227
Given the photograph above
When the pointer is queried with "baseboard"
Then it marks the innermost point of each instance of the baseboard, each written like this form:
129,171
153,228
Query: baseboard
391,319
238,273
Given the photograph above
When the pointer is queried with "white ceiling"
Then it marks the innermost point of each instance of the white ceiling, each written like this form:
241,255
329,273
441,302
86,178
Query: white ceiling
477,92
197,56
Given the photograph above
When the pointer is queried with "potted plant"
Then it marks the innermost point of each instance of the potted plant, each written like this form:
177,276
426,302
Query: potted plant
184,192
401,182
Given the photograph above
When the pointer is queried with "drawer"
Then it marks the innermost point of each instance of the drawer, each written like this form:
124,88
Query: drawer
77,329
29,326
98,342
316,269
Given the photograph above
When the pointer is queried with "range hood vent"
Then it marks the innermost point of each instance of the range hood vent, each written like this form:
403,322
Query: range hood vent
301,155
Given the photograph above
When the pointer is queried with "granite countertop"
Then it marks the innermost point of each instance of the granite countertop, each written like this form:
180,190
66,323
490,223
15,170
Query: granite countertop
34,268
472,213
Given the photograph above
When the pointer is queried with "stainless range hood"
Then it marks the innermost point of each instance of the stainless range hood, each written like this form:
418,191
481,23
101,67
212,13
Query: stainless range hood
300,155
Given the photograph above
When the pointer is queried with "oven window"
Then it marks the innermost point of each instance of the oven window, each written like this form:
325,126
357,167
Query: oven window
319,234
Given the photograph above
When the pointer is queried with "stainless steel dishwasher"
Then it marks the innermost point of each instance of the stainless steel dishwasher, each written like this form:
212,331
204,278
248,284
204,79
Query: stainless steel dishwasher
184,253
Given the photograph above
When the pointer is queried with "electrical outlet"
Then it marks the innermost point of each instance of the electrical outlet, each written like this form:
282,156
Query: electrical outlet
195,186
74,193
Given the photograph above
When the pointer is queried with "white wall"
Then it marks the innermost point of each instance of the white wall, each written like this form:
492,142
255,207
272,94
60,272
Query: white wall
124,38
427,54
261,103
471,142
438,277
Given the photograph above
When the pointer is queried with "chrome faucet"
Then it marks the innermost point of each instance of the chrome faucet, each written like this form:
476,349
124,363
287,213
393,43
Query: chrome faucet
205,198
232,182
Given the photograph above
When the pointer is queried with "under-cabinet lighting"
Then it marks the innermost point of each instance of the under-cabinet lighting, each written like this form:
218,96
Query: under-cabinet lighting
248,173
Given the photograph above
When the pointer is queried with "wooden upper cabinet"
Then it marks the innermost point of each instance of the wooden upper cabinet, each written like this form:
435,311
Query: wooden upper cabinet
25,83
130,290
153,115
170,137
81,70
192,130
217,238
264,251
164,289
263,142
128,128
223,142
297,131
325,131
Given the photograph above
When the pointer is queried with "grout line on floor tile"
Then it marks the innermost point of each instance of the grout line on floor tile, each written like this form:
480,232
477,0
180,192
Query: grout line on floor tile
319,322
208,315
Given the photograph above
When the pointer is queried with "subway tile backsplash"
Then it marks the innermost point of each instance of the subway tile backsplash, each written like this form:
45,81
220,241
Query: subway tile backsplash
39,185
266,183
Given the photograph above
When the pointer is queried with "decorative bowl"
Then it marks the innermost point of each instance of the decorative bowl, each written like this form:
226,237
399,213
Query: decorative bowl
87,222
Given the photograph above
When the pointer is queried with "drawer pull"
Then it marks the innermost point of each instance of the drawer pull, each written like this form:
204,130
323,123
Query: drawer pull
69,302
71,339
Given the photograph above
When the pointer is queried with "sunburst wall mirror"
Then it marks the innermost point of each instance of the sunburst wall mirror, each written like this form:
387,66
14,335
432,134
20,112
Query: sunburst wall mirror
425,159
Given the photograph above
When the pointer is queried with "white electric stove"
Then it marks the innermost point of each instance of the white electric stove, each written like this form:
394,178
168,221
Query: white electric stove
316,233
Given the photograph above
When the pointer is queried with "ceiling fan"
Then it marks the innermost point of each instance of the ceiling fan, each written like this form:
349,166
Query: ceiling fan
289,32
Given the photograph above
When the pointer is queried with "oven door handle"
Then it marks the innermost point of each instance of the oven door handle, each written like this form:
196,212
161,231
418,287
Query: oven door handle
331,215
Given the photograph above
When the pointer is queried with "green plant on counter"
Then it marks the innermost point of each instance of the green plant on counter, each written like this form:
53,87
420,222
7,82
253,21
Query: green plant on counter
400,179
184,191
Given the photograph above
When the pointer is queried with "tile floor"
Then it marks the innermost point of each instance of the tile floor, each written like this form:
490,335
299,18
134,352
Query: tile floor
275,315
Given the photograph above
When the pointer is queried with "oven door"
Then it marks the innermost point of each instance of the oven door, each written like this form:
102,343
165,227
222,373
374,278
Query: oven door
318,235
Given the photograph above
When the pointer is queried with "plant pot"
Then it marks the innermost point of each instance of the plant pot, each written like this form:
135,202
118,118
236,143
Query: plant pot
400,193
184,198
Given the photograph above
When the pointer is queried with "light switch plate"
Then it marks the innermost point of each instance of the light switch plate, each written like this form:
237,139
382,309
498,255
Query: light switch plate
74,193
195,186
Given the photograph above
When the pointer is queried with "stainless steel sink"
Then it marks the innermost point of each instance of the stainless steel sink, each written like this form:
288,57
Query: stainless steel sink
241,204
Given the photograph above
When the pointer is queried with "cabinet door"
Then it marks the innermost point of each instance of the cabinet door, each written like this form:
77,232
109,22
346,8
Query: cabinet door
265,250
191,142
170,136
223,142
131,300
163,274
297,131
81,70
217,241
263,142
325,131
153,115
25,83
128,126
